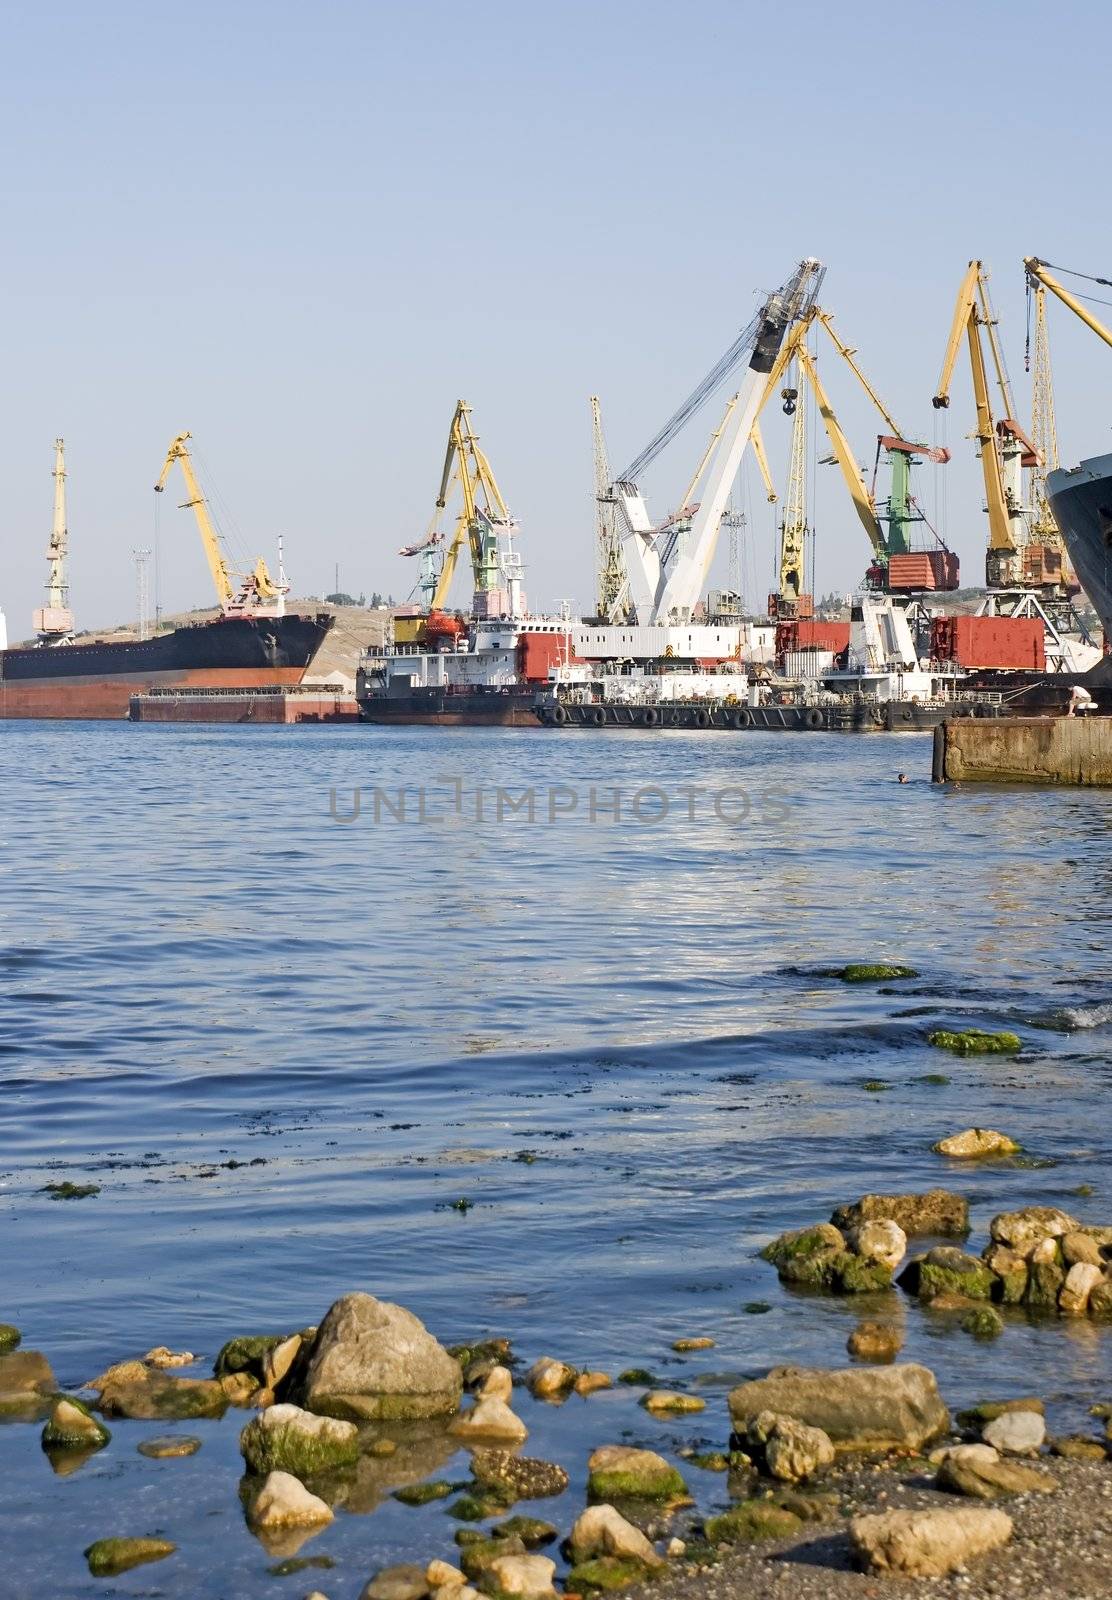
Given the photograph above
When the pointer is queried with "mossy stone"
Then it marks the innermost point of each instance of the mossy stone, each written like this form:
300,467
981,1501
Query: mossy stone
70,1191
423,1494
975,1042
801,1243
1044,1280
72,1426
474,1508
875,972
248,1353
291,1449
608,1485
854,1274
974,1417
475,1559
983,1323
532,1531
636,1376
1011,1286
603,1574
751,1521
710,1460
930,1279
10,1337
107,1557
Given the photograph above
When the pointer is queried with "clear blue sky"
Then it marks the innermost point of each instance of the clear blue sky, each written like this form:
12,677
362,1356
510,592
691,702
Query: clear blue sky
303,231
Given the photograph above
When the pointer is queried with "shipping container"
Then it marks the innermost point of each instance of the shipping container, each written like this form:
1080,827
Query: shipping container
1042,564
537,652
1016,644
806,663
811,635
923,569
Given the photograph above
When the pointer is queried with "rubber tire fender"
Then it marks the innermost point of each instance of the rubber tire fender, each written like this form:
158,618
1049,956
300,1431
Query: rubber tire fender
702,718
650,717
740,719
596,717
559,715
813,719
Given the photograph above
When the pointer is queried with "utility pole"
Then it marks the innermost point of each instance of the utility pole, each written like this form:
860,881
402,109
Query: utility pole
142,594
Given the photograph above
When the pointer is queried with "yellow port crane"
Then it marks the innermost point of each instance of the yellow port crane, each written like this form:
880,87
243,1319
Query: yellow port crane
257,592
1005,448
482,516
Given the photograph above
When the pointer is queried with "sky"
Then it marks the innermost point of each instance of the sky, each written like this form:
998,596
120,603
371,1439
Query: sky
303,232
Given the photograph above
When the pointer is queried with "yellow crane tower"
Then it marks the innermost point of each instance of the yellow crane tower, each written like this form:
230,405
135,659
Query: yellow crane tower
483,514
257,593
790,600
1005,448
610,573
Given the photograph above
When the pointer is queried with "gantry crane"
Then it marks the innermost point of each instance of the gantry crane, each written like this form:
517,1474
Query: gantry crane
257,594
53,622
1005,448
483,522
610,574
901,510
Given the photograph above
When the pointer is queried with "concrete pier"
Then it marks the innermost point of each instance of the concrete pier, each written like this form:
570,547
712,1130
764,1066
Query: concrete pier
1070,750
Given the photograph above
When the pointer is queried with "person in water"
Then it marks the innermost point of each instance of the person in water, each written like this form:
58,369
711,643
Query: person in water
901,777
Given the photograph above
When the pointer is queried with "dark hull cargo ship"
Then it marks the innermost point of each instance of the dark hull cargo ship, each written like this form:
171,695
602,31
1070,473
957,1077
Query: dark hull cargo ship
98,680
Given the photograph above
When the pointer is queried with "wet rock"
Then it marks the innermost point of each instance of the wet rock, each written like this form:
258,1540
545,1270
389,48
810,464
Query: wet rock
70,1426
10,1338
803,1242
109,1557
525,1479
751,1521
441,1573
935,1212
1078,1447
287,1439
667,1400
371,1359
975,1042
498,1384
604,1575
1100,1301
530,1530
243,1390
1015,1433
1045,1279
1028,1227
683,1346
1081,1279
603,1531
167,1446
279,1360
406,1582
254,1354
875,972
548,1379
983,1322
875,1341
618,1472
963,1452
927,1544
382,1447
859,1408
490,1420
528,1577
975,1143
161,1356
882,1240
975,1416
637,1375
131,1389
423,1494
947,1270
1079,1246
26,1379
792,1450
284,1502
985,1479
478,1357
477,1558
1010,1270
592,1382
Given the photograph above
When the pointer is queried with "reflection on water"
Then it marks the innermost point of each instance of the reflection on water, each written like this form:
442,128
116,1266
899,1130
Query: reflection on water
285,1048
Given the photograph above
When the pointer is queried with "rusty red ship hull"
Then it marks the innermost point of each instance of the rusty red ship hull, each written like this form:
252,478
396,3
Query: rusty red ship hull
97,681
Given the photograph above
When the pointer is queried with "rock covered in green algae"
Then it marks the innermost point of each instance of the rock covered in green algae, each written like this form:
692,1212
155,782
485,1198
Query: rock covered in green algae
131,1389
70,1191
947,1270
108,1557
423,1494
668,1401
71,1426
247,1353
635,1376
532,1531
983,1323
875,972
27,1384
604,1574
935,1212
618,1472
858,1408
10,1338
751,1521
801,1243
285,1438
975,1042
476,1558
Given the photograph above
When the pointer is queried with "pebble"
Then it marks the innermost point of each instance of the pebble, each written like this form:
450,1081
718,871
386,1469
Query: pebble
166,1446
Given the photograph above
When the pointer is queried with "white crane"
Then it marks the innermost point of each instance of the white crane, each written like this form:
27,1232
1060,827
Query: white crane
668,571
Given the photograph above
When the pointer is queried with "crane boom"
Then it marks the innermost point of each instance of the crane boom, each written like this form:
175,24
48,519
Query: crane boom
1038,271
196,503
483,514
862,502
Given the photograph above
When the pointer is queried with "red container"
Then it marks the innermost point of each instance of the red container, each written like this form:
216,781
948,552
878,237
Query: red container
1016,644
923,569
537,652
791,637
